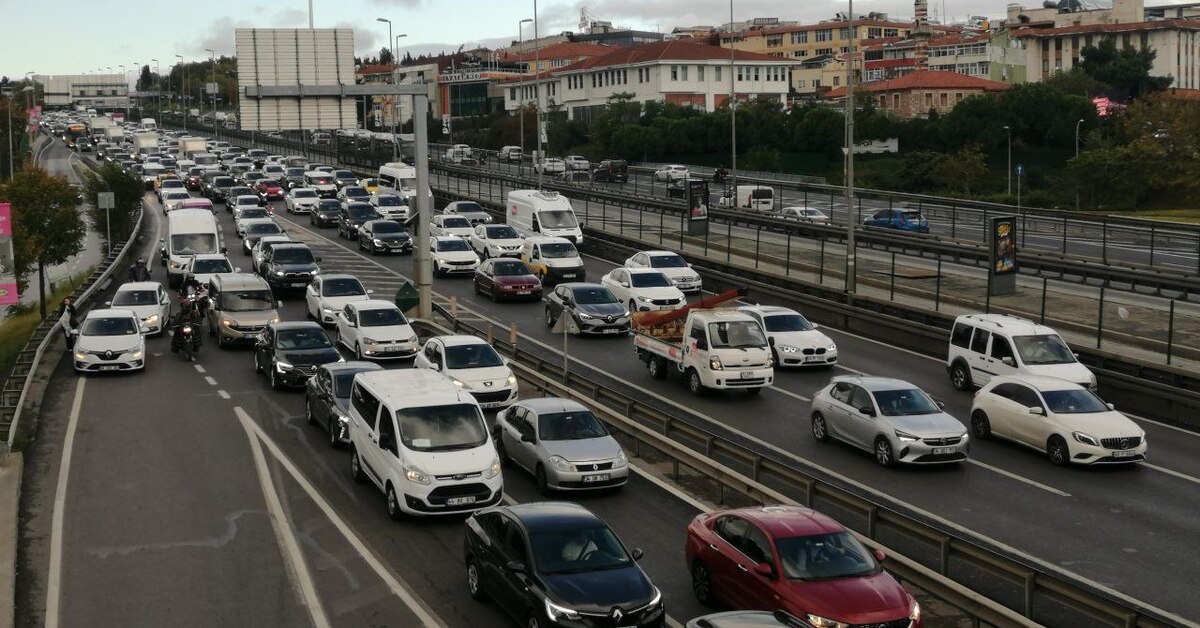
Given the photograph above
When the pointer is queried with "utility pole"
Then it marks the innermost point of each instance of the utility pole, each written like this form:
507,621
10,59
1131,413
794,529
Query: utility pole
424,265
392,80
1008,130
732,112
851,214
521,84
182,90
1077,155
537,93
157,89
212,58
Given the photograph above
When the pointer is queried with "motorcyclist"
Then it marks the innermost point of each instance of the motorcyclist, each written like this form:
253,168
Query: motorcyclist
189,314
138,271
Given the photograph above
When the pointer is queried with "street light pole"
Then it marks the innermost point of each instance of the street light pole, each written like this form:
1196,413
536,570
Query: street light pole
537,93
732,113
392,77
521,84
395,99
157,89
1077,155
1008,130
212,56
182,88
851,212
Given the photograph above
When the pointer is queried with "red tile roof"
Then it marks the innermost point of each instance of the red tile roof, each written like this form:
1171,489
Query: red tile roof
561,50
940,40
378,68
927,79
1107,28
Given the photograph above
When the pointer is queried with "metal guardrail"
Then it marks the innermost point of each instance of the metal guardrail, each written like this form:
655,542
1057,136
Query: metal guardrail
1018,584
17,384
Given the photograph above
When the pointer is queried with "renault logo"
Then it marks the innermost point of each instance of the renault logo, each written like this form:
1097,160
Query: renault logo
108,355
617,614
595,467
609,319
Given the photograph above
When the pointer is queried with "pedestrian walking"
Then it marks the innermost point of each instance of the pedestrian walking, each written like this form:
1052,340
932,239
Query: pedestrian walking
66,316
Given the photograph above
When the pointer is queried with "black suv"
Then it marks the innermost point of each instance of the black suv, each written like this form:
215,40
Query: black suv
384,236
288,267
326,213
352,216
218,190
289,353
612,171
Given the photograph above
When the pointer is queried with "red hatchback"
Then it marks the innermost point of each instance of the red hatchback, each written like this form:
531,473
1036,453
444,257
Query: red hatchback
504,278
797,560
269,190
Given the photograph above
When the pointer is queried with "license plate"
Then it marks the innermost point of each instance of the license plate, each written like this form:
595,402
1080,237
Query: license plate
109,367
938,451
391,349
299,285
611,331
599,477
568,275
524,292
1129,453
814,358
459,501
747,374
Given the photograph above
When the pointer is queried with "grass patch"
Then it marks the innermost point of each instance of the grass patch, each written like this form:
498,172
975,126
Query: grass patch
16,331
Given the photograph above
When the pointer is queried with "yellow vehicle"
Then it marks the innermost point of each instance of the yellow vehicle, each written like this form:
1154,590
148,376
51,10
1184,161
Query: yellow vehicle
163,177
372,185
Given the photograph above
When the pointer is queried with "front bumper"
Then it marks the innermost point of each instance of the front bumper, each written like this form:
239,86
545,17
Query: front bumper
296,376
508,292
490,399
454,269
452,497
733,377
390,350
943,450
239,333
323,220
563,273
689,286
602,326
88,362
1082,453
585,476
812,356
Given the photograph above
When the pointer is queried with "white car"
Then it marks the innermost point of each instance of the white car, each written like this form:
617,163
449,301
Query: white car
326,295
170,185
172,199
671,172
457,153
375,329
550,165
794,340
148,300
474,366
207,265
496,241
452,256
109,340
803,214
260,247
301,200
643,289
1063,419
391,206
242,217
450,225
577,162
670,264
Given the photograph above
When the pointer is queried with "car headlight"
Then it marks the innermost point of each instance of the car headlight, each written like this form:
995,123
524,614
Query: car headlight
312,272
820,622
714,363
227,322
560,463
1086,439
786,349
174,265
282,366
585,317
278,273
137,354
620,460
459,382
326,308
493,470
905,437
275,319
378,242
343,420
80,355
415,475
150,320
512,379
557,613
915,613
370,342
831,347
644,299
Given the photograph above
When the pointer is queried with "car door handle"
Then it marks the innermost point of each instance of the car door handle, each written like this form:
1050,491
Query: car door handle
743,568
714,548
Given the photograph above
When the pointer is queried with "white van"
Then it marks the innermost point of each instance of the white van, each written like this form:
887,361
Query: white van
553,259
753,197
400,179
190,232
983,346
423,441
322,182
543,213
148,124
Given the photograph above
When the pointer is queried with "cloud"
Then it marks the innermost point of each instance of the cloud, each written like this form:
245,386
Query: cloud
219,37
290,17
367,41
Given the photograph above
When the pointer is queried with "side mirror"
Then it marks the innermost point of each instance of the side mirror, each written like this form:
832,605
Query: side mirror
279,304
75,332
816,326
941,404
624,284
879,555
515,566
237,269
370,291
317,257
867,411
1038,410
765,570
108,303
351,324
637,553
1111,406
1008,361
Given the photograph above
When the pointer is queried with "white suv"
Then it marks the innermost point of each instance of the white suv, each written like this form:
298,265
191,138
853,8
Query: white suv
423,442
983,346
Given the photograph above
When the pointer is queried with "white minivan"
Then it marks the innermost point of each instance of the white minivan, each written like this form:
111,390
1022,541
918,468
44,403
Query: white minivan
423,441
190,232
543,213
983,346
322,182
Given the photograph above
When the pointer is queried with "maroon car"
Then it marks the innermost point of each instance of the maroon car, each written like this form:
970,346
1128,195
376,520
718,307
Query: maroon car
503,278
797,560
269,190
192,180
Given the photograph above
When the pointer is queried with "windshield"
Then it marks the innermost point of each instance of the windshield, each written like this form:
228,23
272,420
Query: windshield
344,174
381,318
559,250
824,557
905,402
387,227
247,301
456,222
177,196
442,428
452,245
329,205
294,172
786,322
347,287
512,268
292,255
298,339
206,160
586,548
1073,401
321,180
1045,349
304,193
593,296
389,201
356,191
109,326
192,243
408,184
557,219
649,280
223,182
135,297
570,426
266,228
501,232
253,212
667,261
361,211
465,206
212,266
472,356
736,335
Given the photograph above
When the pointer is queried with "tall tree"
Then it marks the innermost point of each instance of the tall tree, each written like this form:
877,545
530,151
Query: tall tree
127,189
145,80
1126,70
385,55
47,226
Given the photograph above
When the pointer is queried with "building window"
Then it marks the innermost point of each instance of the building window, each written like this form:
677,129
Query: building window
800,84
756,72
882,101
799,53
774,41
824,34
845,49
816,83
874,32
895,101
891,32
958,96
699,73
512,93
824,51
928,101
739,73
800,37
717,73
943,100
674,73
837,80
844,33
683,73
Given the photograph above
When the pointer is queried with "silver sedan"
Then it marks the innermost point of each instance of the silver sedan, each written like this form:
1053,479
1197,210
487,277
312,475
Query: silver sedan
561,443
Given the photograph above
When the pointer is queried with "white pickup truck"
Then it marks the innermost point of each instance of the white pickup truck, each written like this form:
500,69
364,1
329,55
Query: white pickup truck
712,348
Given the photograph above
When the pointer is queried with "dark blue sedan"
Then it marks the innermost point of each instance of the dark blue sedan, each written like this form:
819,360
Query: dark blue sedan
899,219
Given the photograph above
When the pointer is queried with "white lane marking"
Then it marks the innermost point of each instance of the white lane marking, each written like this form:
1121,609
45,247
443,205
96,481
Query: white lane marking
289,547
199,369
399,588
210,380
54,577
1018,478
1182,476
222,394
789,393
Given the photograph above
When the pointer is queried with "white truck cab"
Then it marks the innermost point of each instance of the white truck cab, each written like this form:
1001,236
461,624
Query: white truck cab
543,213
712,348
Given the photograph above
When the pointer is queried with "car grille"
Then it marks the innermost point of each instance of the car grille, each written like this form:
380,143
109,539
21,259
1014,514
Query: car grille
247,328
106,355
307,369
665,301
895,623
756,381
442,493
939,442
521,287
491,397
628,618
460,263
819,351
458,477
1123,442
297,276
596,466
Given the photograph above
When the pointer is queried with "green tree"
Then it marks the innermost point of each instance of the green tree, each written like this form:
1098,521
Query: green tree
762,158
1125,70
47,226
127,189
146,79
920,168
1076,82
1117,177
959,170
385,55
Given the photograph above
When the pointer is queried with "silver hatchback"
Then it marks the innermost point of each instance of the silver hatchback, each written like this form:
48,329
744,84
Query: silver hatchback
561,443
890,418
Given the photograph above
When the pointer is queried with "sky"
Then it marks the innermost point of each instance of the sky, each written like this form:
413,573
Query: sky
131,32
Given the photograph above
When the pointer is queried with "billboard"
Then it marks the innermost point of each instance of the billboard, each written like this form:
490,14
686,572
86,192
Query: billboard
8,279
1002,273
297,78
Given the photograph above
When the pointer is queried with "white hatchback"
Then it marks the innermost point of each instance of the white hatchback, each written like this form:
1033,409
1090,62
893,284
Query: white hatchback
109,340
670,264
452,256
376,330
643,289
148,300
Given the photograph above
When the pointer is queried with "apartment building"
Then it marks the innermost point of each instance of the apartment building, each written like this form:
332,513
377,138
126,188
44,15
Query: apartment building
915,94
805,41
1176,43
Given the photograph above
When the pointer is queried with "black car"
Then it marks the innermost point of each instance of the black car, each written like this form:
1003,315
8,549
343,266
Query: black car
594,308
256,231
219,188
289,353
611,170
327,397
293,177
344,178
557,564
236,191
258,156
352,216
288,267
326,213
384,236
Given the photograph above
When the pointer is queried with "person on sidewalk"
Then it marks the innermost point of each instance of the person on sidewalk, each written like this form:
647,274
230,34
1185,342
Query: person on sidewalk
66,316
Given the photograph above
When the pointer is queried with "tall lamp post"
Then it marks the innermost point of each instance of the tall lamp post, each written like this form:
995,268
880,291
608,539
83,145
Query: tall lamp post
732,110
157,89
851,212
537,91
1077,155
182,89
212,56
521,85
125,80
395,99
392,79
1008,130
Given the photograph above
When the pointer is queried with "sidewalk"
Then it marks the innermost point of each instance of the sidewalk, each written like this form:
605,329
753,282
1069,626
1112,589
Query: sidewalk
10,494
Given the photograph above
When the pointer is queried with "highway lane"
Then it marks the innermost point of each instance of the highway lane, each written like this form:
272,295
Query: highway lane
1018,498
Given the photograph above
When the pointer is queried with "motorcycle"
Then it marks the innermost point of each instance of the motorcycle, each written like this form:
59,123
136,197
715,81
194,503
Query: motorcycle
719,175
185,338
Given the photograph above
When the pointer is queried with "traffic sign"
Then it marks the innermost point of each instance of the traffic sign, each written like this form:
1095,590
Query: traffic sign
105,200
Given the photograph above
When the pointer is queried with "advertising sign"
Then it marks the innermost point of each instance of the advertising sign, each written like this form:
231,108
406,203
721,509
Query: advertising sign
5,219
1003,240
8,280
697,203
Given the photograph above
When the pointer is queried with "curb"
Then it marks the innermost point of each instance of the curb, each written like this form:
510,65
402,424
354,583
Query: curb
10,493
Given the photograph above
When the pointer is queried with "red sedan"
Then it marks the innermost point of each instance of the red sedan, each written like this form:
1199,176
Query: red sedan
502,278
269,190
797,560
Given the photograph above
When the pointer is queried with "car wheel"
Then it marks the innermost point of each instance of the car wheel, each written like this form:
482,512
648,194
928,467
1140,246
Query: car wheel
257,367
632,307
1057,450
960,377
820,430
501,450
775,358
475,285
308,413
543,484
356,470
981,427
533,622
695,386
312,221
358,351
702,583
393,504
883,452
657,367
473,585
549,318
334,429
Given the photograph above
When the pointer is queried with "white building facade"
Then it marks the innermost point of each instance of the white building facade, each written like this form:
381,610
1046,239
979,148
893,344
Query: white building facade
108,91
